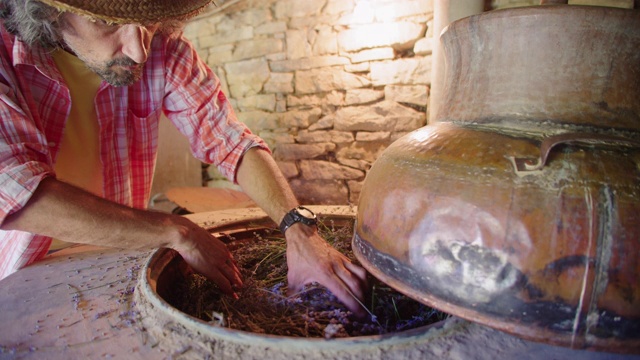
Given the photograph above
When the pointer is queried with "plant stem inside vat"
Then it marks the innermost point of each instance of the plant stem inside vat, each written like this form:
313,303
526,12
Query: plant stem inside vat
264,307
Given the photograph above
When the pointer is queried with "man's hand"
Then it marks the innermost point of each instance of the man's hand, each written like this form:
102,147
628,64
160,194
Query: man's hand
85,218
208,256
311,259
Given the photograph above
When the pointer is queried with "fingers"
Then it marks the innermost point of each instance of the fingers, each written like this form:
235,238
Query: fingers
358,271
355,277
225,274
222,281
348,298
344,279
352,284
232,272
210,257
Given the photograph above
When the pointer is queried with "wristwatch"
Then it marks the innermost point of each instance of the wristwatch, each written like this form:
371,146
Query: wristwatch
298,214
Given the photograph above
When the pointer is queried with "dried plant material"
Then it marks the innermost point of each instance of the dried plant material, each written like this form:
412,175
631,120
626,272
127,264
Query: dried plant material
264,308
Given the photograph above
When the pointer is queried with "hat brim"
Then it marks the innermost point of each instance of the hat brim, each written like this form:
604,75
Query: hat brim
132,11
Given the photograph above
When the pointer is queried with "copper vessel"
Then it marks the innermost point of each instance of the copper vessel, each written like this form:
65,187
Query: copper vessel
519,206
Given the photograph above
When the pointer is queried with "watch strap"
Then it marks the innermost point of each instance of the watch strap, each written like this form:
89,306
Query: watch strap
294,216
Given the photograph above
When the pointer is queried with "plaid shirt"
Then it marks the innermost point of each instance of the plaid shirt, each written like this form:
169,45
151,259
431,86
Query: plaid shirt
35,103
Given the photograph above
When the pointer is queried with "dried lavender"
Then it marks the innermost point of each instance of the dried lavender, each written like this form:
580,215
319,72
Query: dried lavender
263,306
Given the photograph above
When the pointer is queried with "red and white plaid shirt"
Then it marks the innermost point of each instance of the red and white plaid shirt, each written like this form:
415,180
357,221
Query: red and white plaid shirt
35,103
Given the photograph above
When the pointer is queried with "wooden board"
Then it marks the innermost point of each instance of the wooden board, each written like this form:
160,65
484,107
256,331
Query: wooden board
204,199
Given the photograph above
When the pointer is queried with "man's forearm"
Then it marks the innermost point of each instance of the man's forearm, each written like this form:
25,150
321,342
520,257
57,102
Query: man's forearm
71,214
261,179
68,213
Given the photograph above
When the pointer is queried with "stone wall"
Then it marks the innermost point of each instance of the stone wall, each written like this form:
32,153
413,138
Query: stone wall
328,84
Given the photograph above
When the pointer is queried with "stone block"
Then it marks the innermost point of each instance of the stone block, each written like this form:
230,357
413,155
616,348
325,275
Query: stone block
254,48
327,79
423,46
302,151
281,105
410,71
373,136
300,118
335,7
363,96
399,35
266,102
294,8
409,94
271,28
361,118
357,68
281,56
308,63
363,151
325,170
277,136
288,169
377,54
363,13
320,192
279,83
259,120
246,77
202,27
239,34
355,188
382,116
334,98
325,42
414,121
306,136
401,9
254,16
324,123
298,46
219,55
354,163
341,137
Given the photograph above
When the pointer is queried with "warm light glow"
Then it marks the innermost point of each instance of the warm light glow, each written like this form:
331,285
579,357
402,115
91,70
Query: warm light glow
363,13
372,25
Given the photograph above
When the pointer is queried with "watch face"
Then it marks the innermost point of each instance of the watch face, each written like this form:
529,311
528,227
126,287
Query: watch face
306,213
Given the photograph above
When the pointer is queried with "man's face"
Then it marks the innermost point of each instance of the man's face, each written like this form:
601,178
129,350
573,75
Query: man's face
116,53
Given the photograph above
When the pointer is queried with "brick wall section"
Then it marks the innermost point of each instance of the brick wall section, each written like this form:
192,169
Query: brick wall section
329,84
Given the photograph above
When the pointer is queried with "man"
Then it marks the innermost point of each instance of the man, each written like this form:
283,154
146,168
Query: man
82,87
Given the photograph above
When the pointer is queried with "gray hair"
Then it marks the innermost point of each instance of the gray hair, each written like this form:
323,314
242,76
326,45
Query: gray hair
36,23
32,21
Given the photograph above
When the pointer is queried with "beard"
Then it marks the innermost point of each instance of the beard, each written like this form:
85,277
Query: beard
120,77
117,72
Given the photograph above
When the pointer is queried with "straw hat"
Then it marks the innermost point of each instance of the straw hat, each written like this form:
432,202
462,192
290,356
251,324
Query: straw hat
132,11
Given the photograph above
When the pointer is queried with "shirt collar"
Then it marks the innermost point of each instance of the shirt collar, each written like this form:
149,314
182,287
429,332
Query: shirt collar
36,56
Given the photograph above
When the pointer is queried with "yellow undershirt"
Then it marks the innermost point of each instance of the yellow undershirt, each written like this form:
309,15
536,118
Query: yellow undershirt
78,160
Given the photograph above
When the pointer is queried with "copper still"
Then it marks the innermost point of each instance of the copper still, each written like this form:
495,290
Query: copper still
518,207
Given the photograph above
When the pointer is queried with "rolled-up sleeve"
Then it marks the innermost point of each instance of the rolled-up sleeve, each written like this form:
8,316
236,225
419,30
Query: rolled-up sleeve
24,155
201,111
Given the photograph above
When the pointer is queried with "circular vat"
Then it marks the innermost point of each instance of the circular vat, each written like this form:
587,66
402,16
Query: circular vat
185,336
